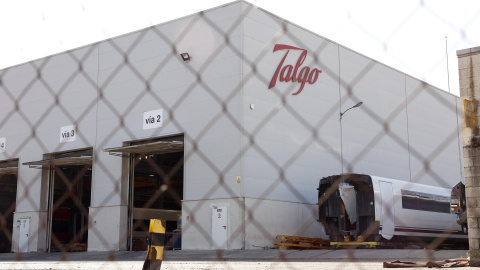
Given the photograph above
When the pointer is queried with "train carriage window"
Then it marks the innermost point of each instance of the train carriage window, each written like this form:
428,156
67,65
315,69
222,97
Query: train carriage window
425,202
442,204
409,200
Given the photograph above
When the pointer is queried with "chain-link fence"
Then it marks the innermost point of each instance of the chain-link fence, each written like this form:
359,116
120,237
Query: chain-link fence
223,123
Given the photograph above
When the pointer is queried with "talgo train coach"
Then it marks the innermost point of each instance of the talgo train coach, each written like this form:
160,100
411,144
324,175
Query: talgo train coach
358,207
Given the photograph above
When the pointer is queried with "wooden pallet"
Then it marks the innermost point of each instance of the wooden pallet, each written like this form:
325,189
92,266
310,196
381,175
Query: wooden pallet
302,242
78,248
355,244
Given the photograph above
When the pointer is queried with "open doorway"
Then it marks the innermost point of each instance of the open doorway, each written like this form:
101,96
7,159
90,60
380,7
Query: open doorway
70,182
8,197
156,184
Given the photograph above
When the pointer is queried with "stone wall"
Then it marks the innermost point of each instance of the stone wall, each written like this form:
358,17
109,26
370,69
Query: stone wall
469,74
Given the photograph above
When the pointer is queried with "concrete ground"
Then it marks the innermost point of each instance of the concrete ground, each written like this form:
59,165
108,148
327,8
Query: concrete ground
231,259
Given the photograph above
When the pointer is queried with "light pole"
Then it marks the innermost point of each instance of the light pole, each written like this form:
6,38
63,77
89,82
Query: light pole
354,106
341,136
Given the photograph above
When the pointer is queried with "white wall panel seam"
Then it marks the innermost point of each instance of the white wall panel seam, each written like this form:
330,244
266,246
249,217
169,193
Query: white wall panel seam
92,197
242,101
408,130
340,106
458,115
242,121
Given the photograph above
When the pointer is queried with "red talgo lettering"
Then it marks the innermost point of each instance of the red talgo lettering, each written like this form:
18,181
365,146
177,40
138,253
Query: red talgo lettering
305,75
300,61
302,78
287,78
315,72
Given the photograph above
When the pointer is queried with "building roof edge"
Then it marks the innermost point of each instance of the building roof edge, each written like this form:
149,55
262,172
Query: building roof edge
468,52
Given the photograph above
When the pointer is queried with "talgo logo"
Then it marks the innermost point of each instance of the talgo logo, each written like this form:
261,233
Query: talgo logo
288,73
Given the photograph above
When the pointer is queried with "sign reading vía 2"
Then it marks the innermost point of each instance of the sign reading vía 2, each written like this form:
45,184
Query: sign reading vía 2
289,73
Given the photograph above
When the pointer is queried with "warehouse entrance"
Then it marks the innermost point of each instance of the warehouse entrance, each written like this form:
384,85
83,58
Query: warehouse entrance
155,188
69,193
8,197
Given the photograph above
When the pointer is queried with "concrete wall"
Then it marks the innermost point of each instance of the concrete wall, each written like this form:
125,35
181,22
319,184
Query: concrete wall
368,147
434,135
253,223
405,129
197,223
191,95
134,73
296,137
38,98
265,219
108,230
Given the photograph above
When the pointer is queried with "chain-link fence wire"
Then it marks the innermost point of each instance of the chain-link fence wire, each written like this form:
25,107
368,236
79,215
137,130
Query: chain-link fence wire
72,180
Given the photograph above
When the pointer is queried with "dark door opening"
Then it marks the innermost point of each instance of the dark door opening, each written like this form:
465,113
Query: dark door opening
156,193
8,197
155,188
71,192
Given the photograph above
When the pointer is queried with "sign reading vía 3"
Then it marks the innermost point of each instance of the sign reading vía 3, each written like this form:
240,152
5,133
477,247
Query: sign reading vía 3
289,73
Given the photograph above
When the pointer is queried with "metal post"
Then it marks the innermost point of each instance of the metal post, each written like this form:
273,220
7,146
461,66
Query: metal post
341,130
51,190
156,245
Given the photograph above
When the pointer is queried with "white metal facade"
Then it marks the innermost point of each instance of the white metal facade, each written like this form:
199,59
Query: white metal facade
422,124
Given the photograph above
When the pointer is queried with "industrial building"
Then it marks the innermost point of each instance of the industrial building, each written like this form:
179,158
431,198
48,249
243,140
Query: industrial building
220,123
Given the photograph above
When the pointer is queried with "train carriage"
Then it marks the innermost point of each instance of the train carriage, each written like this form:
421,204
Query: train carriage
359,207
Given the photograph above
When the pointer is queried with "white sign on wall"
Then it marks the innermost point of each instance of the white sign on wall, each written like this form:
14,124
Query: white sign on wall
68,134
153,119
2,144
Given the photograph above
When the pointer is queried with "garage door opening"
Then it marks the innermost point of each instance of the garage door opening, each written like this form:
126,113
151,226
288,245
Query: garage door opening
70,182
8,197
155,188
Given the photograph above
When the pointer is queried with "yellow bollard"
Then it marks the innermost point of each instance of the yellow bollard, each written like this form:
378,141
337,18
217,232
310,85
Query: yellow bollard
155,245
